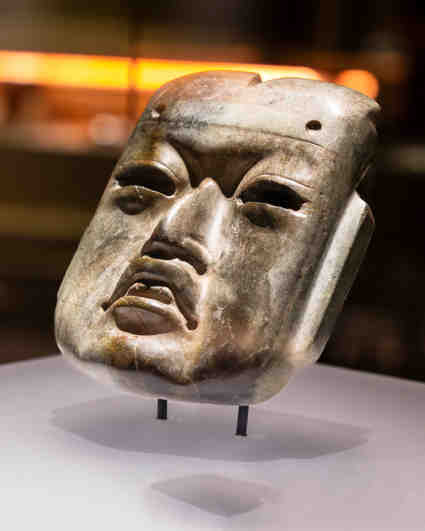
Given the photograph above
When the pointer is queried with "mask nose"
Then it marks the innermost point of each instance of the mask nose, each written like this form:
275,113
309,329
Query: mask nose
193,227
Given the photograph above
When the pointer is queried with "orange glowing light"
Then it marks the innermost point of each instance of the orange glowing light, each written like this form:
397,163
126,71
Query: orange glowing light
107,72
103,72
69,70
360,80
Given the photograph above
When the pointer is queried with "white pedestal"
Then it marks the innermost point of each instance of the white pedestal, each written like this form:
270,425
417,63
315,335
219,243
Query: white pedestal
335,450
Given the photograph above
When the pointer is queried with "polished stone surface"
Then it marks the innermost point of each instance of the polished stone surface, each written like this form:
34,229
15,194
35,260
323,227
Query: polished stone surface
336,450
226,240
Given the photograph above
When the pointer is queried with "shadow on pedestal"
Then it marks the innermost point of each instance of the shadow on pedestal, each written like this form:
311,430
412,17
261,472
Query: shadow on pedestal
217,494
203,431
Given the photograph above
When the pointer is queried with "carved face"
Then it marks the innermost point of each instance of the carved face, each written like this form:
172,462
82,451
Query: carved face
193,277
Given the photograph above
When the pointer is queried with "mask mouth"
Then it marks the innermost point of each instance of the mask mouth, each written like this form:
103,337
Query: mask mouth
168,288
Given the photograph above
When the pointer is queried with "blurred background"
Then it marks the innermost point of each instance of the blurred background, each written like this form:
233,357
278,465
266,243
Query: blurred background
74,76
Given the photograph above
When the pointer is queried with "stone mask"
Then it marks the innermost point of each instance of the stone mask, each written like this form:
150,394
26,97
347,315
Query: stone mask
226,240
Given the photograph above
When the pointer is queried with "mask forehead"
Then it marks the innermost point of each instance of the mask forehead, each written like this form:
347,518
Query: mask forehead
332,117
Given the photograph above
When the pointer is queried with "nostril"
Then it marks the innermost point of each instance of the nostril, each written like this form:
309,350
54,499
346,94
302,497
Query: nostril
200,267
192,324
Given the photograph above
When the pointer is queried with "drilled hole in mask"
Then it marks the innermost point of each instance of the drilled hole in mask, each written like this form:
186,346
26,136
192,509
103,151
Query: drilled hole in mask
313,125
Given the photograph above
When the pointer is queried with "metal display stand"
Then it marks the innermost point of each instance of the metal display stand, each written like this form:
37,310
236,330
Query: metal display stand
335,450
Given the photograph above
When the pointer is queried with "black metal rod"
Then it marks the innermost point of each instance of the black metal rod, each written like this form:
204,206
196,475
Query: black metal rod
242,426
162,409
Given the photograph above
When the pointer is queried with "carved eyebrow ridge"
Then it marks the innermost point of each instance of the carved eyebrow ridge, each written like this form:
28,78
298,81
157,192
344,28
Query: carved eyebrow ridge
187,123
278,179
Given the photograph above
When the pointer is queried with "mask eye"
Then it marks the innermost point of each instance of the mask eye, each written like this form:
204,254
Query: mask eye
149,177
272,193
